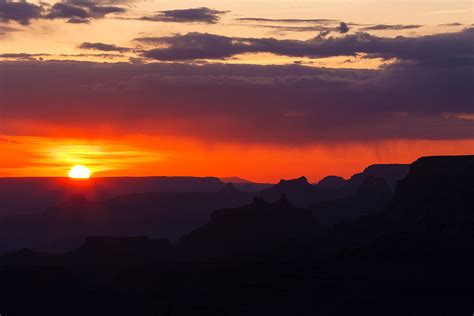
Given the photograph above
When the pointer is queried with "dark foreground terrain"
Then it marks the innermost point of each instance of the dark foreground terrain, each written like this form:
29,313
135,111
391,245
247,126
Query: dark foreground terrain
368,252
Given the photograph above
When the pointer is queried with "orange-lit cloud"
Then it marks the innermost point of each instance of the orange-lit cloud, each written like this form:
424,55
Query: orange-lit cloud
290,105
40,156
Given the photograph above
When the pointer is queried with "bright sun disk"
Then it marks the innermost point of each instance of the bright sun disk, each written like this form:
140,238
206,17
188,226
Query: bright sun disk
79,172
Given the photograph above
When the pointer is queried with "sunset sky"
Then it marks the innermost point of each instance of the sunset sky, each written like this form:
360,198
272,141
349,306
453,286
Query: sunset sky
258,89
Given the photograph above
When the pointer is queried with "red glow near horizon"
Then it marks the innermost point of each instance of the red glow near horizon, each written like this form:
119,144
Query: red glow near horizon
160,156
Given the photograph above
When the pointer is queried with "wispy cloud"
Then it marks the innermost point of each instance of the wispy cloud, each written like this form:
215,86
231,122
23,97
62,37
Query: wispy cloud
7,29
54,156
448,11
391,27
312,21
104,47
195,15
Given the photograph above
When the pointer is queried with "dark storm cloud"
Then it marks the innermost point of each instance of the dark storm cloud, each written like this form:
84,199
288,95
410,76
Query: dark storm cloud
74,11
432,48
343,28
64,10
426,95
104,47
21,12
384,27
81,11
195,15
197,46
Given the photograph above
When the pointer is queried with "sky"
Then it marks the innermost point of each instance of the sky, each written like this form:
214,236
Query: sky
259,89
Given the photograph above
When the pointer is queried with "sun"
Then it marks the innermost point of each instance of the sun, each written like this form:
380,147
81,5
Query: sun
79,172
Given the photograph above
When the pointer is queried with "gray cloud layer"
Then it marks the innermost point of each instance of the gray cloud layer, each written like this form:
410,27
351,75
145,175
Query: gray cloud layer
384,27
21,12
289,105
195,15
320,25
74,11
324,29
450,47
81,11
104,47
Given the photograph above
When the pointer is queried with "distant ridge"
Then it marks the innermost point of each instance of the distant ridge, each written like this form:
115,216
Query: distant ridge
246,185
234,180
332,183
390,172
36,194
432,207
373,195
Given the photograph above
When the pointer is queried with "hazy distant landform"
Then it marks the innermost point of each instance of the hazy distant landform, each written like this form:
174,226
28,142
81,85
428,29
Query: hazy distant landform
58,213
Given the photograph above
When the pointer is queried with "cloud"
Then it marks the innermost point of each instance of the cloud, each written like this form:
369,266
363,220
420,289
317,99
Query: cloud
292,28
9,141
197,46
108,2
75,11
312,21
39,56
452,24
7,29
249,103
343,28
80,11
104,47
21,12
97,55
300,25
76,20
22,56
64,10
449,47
398,27
449,11
323,28
196,15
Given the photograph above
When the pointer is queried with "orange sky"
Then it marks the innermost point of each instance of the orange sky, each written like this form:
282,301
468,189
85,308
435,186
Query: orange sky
144,156
264,89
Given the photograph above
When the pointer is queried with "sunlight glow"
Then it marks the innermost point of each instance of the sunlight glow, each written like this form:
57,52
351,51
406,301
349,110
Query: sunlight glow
79,172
